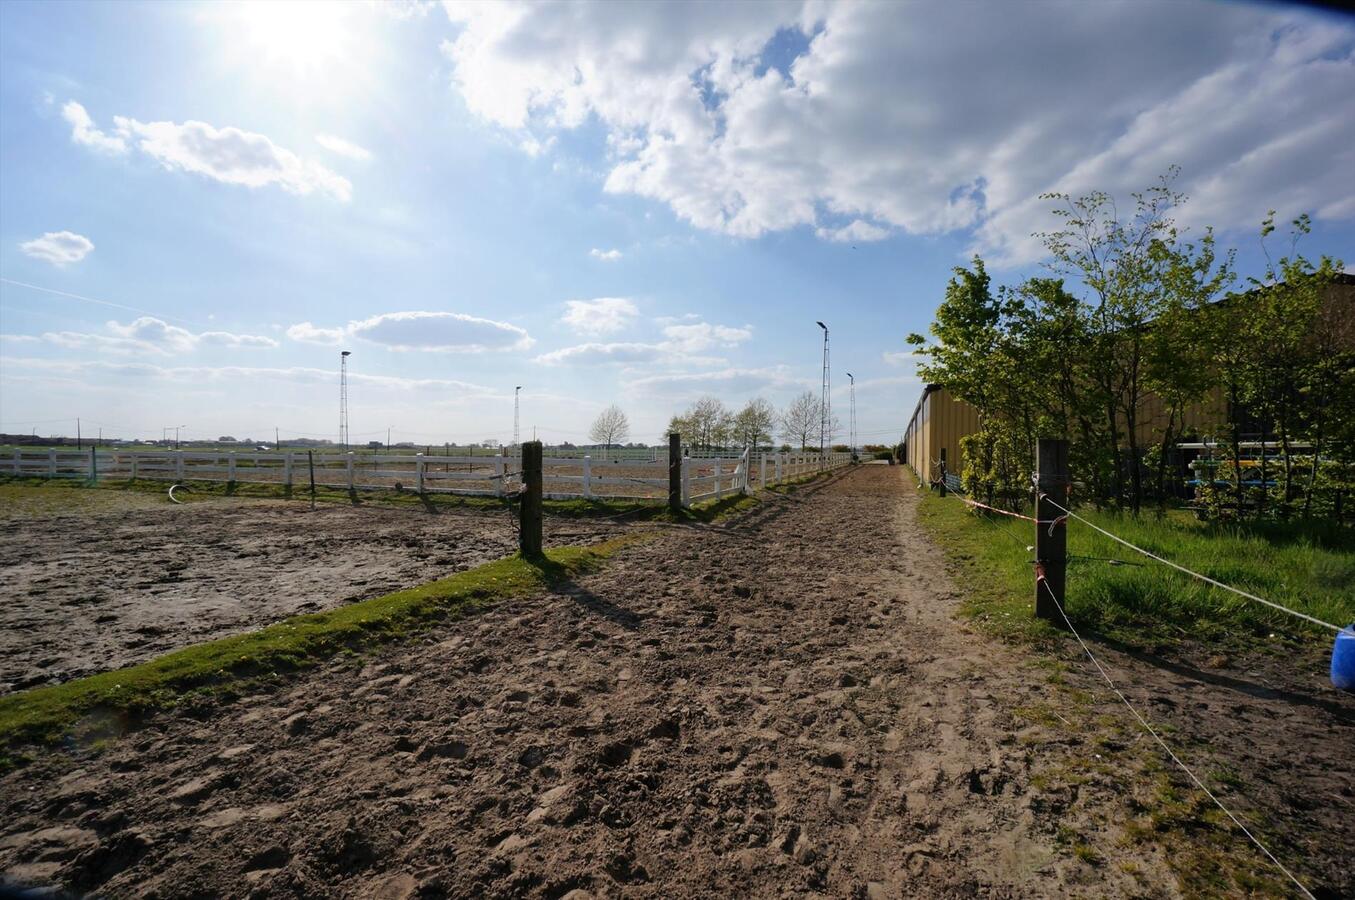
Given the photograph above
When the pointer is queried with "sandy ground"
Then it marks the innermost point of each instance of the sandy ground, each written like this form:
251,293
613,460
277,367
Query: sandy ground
782,707
93,589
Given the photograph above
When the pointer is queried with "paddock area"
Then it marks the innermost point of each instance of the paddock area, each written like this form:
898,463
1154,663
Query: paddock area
100,579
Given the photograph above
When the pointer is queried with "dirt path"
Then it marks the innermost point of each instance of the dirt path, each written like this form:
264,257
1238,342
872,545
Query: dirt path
781,708
90,590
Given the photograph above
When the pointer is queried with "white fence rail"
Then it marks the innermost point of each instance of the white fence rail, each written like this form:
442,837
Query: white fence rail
564,477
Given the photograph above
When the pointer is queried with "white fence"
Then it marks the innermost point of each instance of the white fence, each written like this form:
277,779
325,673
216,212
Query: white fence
563,477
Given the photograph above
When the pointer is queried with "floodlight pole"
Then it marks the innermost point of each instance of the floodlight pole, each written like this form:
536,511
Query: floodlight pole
343,397
517,391
852,426
825,408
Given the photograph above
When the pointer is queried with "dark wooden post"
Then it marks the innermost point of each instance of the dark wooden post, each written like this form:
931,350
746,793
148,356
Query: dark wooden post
675,471
1051,542
530,500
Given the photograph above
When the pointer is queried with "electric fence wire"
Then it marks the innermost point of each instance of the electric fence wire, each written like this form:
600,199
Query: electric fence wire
1163,744
1181,568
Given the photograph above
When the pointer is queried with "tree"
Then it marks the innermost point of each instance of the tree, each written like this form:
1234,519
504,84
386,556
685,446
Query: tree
752,425
801,420
610,427
706,423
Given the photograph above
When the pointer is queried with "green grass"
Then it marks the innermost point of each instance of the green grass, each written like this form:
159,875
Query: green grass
47,714
1307,567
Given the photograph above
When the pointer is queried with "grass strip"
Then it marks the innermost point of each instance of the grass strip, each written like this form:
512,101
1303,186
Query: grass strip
47,714
1306,566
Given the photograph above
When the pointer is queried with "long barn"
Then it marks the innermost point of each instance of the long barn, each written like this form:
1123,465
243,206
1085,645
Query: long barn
941,419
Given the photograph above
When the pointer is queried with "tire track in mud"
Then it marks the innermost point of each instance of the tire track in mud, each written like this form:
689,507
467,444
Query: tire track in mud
783,707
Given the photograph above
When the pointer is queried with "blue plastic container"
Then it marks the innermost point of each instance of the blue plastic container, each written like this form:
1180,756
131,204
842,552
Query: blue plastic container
1343,660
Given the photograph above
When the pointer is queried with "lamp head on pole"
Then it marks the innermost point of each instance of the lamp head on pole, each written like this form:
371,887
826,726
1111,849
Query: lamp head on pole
823,326
345,352
852,377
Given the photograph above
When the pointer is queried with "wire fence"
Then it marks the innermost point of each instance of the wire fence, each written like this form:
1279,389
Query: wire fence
1043,583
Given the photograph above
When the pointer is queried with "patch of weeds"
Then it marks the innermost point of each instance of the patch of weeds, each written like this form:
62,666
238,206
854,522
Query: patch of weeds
1087,854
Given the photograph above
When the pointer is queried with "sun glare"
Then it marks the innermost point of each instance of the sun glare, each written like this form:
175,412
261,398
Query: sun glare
307,36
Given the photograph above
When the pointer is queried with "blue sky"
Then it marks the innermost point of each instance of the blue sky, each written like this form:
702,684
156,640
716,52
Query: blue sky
636,204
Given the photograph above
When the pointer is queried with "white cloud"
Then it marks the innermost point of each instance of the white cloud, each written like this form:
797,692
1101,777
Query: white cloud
236,341
603,354
683,346
306,333
885,120
534,147
156,333
341,147
84,132
437,331
905,358
604,315
149,335
229,155
726,383
204,376
703,336
58,247
857,231
605,255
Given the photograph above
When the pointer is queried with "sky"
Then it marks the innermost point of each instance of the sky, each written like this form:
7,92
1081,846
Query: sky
640,204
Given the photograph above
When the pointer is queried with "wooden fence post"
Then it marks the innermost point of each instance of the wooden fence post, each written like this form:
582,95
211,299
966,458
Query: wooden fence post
719,493
352,487
529,532
675,471
287,468
135,459
93,465
500,473
418,472
762,477
1051,540
587,476
178,465
51,463
230,468
686,481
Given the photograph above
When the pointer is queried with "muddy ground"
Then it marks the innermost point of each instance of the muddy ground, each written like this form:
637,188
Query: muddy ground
782,707
95,586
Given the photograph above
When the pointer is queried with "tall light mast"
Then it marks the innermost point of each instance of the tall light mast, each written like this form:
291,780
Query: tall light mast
343,397
825,402
516,392
852,379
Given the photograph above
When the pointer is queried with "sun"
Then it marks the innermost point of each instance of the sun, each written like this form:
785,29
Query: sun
306,36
